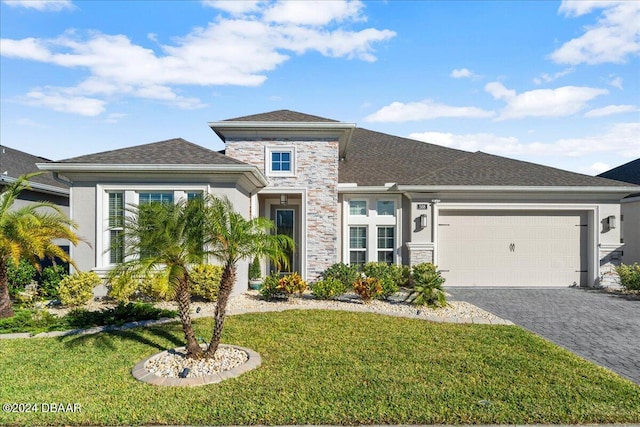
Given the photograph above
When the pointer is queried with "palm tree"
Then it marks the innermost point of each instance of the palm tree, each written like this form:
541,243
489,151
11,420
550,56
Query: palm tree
165,240
230,238
28,232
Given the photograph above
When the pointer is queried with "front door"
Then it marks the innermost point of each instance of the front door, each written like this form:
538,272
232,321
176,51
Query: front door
287,224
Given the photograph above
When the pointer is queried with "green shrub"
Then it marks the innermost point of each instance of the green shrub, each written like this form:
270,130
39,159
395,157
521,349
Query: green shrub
367,288
77,288
285,286
427,286
19,276
123,287
254,269
205,281
328,288
386,274
50,280
30,321
118,315
347,274
402,274
157,287
629,276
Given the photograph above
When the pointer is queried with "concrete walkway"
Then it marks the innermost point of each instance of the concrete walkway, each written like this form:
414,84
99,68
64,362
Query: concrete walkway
601,327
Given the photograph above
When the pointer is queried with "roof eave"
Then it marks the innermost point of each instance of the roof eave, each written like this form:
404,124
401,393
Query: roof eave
250,130
36,186
517,188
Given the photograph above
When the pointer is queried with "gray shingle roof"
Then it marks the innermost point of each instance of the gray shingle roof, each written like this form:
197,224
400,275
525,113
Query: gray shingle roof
375,158
280,116
170,152
629,172
17,163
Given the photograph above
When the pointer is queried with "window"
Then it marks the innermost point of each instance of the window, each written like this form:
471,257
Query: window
386,208
357,245
386,241
357,207
191,195
155,197
280,161
116,227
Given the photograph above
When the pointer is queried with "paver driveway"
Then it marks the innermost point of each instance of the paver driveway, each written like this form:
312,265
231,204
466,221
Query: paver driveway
598,326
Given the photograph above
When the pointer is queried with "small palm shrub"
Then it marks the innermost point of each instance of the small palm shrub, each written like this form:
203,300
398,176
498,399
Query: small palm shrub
328,288
50,280
629,276
386,274
347,274
77,289
367,288
205,281
255,271
285,286
427,286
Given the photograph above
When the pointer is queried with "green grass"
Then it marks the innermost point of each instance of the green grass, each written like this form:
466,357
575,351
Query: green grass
322,367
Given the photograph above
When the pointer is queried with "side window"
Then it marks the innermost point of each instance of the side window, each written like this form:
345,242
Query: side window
116,228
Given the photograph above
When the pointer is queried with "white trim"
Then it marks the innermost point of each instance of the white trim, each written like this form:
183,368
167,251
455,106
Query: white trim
36,186
592,211
515,188
631,199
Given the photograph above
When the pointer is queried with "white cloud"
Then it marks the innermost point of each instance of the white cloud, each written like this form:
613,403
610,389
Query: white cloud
424,110
547,78
314,12
246,48
598,167
461,73
620,139
42,5
235,7
64,103
114,118
563,101
613,38
616,82
610,110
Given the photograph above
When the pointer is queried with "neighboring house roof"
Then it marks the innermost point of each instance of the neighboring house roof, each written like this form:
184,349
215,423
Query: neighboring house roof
175,151
281,116
15,163
629,172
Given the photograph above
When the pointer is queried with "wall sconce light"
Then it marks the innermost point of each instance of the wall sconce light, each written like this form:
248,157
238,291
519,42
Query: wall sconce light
284,199
423,221
611,222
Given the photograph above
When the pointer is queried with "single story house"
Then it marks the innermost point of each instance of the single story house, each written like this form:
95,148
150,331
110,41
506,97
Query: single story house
629,210
349,194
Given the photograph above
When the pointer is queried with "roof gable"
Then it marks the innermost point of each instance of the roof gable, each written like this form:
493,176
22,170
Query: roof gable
170,152
281,116
629,172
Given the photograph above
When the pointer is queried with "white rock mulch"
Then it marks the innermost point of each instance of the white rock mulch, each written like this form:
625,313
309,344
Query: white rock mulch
172,364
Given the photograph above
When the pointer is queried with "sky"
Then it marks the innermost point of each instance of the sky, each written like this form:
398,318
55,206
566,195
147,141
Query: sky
555,83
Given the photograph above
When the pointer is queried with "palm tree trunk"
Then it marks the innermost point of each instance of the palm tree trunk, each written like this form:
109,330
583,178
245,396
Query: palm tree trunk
183,298
6,308
226,285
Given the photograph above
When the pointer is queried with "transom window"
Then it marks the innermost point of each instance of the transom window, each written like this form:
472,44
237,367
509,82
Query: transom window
386,208
357,207
155,197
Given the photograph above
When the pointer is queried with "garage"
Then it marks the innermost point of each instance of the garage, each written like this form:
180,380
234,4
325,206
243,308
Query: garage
512,248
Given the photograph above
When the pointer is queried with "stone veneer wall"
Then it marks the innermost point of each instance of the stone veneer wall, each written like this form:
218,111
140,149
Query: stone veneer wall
317,171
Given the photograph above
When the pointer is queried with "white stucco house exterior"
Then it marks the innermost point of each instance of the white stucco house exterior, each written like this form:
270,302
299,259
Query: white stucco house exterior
353,195
629,210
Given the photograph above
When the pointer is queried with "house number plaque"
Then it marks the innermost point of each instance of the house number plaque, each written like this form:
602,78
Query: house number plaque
423,206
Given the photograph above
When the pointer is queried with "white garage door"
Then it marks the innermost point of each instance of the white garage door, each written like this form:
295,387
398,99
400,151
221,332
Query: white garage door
496,248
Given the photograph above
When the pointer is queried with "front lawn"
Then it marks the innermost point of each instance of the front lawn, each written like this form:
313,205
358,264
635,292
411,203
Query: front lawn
321,367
